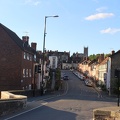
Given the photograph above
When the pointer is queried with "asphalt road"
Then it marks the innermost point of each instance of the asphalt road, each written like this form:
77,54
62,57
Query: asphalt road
76,103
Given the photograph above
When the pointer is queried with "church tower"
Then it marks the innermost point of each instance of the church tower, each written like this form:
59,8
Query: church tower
86,52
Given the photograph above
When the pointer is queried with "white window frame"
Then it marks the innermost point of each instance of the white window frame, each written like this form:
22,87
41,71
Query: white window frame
23,72
34,57
30,73
28,56
25,56
26,72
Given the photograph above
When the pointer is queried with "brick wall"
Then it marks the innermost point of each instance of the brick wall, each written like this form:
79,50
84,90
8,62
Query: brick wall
115,64
12,63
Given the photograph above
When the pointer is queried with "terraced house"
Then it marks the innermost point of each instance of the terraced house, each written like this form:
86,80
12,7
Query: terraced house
17,61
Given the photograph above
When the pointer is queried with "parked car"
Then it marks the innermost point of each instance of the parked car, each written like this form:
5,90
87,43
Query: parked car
88,83
82,77
75,72
66,77
79,76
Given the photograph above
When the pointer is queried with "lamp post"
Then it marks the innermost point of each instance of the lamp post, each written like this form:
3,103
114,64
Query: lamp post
43,61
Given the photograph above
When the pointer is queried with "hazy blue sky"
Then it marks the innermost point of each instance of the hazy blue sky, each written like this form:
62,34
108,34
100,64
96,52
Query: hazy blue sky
81,23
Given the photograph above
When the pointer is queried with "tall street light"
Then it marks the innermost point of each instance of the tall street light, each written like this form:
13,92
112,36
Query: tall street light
43,61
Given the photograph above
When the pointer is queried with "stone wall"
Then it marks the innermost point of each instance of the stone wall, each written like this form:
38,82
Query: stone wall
107,113
11,103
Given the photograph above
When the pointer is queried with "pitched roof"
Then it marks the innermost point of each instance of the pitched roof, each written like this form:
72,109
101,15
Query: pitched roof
85,62
115,53
104,61
94,61
17,40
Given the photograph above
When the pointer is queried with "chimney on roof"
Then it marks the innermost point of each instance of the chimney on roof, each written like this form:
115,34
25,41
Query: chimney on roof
112,52
86,58
101,58
33,45
40,52
25,39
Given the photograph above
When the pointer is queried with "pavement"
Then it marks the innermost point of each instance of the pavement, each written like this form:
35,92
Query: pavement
37,101
104,93
48,95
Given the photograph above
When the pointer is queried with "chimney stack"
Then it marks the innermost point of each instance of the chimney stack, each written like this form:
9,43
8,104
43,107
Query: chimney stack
33,45
112,52
25,39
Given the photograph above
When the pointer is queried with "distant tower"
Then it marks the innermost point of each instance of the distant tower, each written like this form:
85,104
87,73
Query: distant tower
86,52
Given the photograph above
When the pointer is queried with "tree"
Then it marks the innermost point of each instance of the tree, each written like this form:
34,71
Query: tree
92,57
58,79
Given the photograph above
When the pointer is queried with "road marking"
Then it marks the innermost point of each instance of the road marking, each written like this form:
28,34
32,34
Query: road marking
99,94
42,104
45,103
24,112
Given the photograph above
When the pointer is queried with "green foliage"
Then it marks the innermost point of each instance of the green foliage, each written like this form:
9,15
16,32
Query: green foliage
106,55
103,87
92,57
58,79
58,74
49,82
50,74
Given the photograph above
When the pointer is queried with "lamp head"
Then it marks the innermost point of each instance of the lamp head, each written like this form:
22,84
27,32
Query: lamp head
52,16
56,16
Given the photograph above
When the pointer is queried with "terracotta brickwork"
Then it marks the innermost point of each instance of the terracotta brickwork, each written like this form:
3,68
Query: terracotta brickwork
12,61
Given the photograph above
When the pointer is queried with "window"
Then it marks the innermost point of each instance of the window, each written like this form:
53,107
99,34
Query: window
25,55
30,57
34,57
26,72
23,72
29,72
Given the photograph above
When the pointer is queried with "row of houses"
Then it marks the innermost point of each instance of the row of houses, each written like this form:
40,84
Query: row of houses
18,60
102,70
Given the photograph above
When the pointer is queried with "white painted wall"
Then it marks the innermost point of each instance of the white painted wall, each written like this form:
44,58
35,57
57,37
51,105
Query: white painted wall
108,74
53,62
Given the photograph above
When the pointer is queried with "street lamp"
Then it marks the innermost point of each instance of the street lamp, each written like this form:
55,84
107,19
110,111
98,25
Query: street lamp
44,51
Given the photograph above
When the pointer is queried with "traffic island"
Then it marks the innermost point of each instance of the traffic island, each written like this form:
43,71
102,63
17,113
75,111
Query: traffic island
106,113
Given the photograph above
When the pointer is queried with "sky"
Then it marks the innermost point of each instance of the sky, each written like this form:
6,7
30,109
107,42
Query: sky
81,23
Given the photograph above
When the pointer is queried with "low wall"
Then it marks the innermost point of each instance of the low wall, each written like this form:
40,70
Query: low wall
107,113
28,93
11,103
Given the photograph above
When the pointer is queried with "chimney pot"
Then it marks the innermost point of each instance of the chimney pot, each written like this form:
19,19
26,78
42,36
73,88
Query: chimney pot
112,52
33,45
25,39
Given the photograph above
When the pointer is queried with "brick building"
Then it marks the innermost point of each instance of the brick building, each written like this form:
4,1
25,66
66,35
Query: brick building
17,61
115,64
